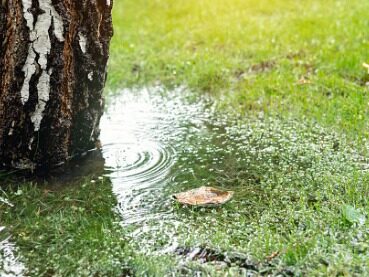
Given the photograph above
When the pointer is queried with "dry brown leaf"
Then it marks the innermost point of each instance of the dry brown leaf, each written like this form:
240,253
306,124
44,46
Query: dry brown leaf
204,196
303,81
272,256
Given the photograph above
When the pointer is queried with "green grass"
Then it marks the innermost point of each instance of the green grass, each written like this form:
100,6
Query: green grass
251,54
66,232
71,231
300,191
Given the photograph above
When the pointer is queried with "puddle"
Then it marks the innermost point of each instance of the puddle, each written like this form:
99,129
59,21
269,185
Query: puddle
157,143
150,142
141,133
10,266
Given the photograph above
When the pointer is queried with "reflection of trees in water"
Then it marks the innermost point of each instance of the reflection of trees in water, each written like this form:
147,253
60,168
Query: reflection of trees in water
89,165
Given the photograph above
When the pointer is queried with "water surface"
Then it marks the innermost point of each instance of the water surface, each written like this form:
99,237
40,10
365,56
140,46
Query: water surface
144,134
287,176
156,143
10,264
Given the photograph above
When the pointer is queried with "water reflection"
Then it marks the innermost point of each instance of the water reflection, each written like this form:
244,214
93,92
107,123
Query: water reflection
10,266
141,131
157,143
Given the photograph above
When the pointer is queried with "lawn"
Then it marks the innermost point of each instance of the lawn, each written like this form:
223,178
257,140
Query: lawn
276,56
292,73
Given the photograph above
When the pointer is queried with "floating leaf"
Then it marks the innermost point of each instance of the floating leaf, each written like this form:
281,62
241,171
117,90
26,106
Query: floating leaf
204,196
352,215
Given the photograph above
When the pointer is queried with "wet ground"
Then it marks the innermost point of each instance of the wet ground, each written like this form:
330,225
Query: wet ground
10,266
156,143
147,144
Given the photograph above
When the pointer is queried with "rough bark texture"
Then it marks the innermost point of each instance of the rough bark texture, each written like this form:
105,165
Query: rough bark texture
53,56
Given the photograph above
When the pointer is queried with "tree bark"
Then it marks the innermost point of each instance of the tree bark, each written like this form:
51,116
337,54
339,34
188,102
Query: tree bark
53,57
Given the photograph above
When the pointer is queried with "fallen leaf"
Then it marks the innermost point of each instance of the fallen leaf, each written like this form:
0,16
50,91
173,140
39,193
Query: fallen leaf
204,196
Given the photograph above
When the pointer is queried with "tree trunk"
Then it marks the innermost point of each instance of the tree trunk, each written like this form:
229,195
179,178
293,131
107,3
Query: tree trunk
53,57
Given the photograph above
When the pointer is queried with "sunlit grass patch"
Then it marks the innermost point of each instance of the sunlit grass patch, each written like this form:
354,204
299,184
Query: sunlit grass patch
316,49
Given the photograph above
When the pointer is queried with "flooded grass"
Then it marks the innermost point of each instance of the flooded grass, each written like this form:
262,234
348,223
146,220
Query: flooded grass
300,203
66,232
292,182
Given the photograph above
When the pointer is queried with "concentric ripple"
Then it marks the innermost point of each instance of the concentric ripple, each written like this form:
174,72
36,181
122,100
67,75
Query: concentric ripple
138,164
137,141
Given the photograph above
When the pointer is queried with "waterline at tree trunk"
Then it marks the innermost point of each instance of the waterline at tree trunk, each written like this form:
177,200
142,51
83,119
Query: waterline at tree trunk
53,57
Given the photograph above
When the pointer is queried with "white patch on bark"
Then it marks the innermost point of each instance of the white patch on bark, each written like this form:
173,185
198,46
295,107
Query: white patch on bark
90,76
30,143
29,69
43,88
82,42
95,126
40,45
108,2
27,4
57,23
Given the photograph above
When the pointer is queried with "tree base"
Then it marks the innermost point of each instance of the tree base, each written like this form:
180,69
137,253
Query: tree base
53,60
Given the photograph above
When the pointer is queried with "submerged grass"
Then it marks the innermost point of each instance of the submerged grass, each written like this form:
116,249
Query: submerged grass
300,197
292,188
68,232
300,208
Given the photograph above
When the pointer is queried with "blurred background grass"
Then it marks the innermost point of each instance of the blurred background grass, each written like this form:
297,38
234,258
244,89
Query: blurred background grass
285,57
